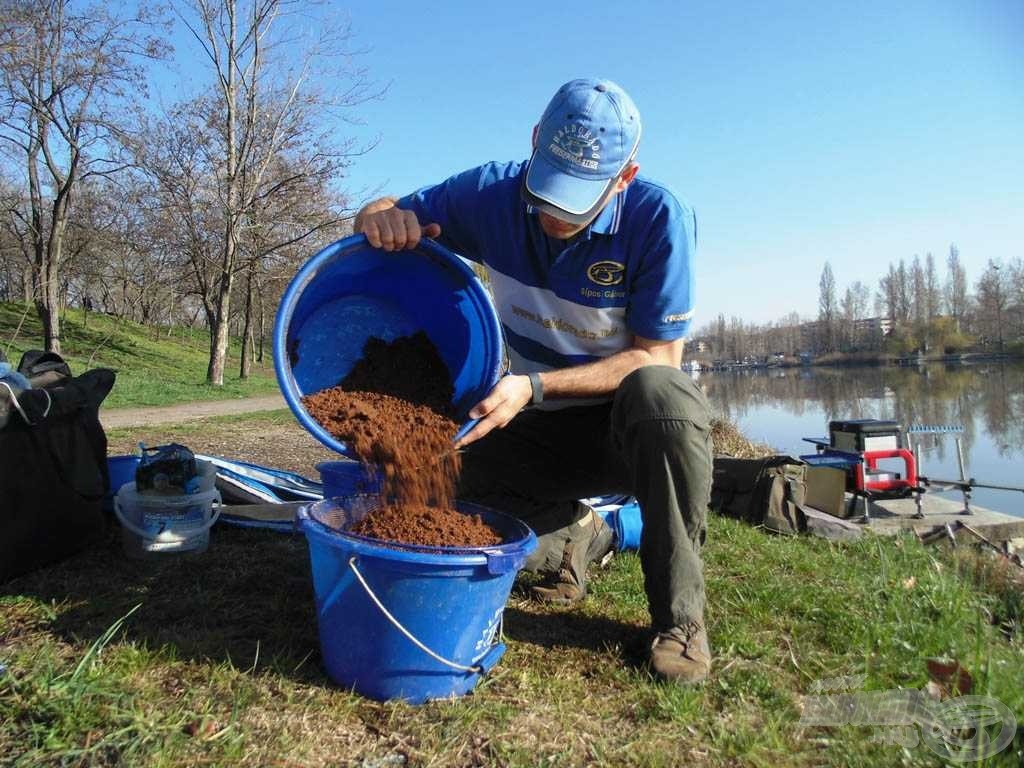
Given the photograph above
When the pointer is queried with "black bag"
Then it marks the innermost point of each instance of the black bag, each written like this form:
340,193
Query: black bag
769,491
53,465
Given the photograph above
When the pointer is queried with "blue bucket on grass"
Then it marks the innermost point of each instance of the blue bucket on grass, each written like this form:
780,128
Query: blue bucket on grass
347,478
121,471
622,515
408,622
351,291
628,525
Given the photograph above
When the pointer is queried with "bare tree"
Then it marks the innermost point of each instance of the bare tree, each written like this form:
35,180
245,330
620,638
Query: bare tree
992,294
274,67
853,308
67,73
956,287
827,308
186,218
1015,287
918,302
15,255
297,214
932,290
888,294
903,292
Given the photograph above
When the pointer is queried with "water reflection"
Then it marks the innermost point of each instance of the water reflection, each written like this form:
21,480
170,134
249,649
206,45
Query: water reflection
985,398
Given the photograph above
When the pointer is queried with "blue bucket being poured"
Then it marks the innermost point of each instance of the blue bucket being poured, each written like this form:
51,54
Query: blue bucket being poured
351,291
409,622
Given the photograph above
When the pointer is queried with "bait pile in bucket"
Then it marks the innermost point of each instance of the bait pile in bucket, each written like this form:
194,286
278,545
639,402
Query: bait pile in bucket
394,409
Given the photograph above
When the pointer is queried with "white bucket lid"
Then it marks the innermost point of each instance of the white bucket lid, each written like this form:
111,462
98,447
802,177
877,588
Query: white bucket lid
129,497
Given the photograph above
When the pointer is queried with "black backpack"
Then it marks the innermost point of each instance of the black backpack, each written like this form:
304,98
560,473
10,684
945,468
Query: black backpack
768,491
53,463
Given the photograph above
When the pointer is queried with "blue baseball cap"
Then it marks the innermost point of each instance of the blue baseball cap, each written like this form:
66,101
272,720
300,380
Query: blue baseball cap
587,134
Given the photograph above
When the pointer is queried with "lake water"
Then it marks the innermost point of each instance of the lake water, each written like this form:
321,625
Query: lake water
781,406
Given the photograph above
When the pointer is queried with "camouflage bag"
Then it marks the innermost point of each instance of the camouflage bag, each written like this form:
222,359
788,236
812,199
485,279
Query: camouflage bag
769,491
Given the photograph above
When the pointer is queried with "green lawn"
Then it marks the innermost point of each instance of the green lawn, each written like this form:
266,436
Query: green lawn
155,366
214,660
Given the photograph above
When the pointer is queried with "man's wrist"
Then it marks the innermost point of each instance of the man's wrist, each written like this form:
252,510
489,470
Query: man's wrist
538,388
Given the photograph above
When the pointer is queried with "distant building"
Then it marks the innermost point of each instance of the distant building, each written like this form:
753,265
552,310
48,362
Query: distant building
811,332
881,325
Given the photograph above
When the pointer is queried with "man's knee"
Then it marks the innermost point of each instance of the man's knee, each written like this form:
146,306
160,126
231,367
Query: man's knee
660,392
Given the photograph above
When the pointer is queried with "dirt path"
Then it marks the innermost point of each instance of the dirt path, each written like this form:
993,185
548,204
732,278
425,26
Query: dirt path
168,414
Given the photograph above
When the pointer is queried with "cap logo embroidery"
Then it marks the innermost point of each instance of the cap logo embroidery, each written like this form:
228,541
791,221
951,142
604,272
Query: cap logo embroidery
606,272
577,145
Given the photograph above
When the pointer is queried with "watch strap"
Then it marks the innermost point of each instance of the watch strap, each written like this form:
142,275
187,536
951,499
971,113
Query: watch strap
538,388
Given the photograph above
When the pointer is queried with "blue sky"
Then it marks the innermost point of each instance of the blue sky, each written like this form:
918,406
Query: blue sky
858,132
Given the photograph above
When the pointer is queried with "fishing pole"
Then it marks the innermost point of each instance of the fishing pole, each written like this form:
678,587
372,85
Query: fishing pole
968,483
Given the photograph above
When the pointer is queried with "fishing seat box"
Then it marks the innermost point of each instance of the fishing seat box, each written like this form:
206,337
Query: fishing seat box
860,435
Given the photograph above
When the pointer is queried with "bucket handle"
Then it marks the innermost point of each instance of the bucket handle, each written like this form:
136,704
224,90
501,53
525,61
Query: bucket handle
146,534
480,667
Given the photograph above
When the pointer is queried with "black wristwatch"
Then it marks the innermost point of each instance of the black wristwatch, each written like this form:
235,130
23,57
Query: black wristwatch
538,388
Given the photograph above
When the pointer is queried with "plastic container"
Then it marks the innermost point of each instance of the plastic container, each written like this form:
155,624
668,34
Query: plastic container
408,622
350,291
347,478
859,435
120,470
159,525
622,515
628,524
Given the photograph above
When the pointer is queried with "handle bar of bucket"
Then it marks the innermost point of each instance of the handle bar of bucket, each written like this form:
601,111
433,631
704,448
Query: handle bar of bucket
482,666
146,534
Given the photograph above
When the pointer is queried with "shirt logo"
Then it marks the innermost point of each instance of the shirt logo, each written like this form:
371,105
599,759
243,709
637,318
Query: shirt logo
678,318
577,145
606,272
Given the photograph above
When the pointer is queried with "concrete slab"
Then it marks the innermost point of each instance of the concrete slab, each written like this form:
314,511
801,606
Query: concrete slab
891,516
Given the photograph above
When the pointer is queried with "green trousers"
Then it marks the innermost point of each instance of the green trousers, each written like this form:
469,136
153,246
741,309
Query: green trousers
653,442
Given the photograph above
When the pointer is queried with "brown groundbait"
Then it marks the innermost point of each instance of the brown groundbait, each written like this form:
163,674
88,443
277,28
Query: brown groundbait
394,409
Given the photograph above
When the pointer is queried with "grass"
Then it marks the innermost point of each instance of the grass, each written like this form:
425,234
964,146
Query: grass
155,366
215,660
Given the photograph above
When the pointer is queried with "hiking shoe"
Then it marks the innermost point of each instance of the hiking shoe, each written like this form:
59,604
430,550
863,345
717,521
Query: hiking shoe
590,540
681,654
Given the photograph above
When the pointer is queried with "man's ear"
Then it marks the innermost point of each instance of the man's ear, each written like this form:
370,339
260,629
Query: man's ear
626,177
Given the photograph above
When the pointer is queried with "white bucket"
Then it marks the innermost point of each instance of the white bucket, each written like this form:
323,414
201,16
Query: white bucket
159,524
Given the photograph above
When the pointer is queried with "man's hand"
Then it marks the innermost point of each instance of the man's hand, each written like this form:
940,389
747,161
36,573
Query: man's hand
496,410
391,228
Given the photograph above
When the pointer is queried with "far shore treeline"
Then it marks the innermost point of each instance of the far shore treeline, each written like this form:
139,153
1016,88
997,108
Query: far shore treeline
910,312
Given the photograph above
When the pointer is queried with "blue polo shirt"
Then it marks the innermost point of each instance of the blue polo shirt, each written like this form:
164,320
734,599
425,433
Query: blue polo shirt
564,303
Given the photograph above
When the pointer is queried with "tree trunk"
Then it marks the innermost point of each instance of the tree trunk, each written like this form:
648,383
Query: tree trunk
26,284
263,327
246,364
219,331
48,305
